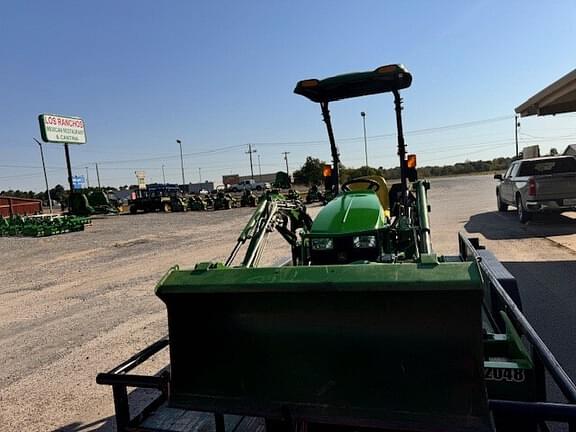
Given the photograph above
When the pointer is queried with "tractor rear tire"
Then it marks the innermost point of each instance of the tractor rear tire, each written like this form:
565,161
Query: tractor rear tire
523,215
133,210
258,188
502,207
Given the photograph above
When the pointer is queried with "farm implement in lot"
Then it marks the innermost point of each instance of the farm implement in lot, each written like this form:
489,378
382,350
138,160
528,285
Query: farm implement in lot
41,225
365,328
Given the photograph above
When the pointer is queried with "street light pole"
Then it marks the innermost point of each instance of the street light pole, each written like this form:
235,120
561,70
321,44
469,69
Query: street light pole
163,175
45,176
363,114
181,161
200,174
259,169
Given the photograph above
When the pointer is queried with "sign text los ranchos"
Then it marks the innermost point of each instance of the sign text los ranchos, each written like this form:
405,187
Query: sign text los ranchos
61,129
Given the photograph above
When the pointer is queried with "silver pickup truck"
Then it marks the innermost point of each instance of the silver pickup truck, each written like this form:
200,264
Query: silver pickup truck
538,185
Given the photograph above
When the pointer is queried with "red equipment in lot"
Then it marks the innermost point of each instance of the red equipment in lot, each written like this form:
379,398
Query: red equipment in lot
11,206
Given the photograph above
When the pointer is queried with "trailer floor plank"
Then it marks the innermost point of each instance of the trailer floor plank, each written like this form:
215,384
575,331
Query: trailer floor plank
170,419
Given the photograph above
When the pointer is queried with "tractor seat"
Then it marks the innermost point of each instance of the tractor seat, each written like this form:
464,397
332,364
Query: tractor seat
382,192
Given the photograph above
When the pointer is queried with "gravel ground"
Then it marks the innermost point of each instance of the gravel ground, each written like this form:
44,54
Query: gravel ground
77,304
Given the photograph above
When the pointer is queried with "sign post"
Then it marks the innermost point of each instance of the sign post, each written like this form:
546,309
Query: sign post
63,130
69,167
141,176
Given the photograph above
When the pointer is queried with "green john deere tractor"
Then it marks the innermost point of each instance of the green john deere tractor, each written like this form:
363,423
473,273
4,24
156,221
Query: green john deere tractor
365,328
248,199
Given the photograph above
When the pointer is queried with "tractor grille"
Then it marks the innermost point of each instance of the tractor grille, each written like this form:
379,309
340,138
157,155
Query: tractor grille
344,252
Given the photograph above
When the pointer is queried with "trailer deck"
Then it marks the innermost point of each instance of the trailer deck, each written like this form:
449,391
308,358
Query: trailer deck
170,419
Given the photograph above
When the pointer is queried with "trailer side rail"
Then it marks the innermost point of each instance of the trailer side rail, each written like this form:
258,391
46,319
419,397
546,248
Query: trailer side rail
540,411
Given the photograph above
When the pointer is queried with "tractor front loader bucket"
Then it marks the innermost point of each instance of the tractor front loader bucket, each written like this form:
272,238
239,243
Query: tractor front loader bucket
390,346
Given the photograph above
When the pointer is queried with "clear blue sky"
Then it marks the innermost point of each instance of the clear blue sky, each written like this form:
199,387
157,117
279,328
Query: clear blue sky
221,74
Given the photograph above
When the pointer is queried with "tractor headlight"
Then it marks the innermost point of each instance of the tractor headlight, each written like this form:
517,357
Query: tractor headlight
322,243
364,242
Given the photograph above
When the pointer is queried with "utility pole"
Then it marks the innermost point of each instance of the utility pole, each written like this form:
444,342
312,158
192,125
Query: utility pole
516,126
363,114
249,152
200,174
181,161
45,176
163,175
286,160
259,169
87,178
98,176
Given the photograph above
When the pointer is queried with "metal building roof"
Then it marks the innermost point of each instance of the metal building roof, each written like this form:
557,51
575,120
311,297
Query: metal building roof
558,97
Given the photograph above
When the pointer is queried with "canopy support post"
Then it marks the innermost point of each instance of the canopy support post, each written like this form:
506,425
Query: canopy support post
401,146
333,148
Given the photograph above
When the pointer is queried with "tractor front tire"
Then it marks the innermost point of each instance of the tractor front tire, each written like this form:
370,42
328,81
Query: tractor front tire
133,210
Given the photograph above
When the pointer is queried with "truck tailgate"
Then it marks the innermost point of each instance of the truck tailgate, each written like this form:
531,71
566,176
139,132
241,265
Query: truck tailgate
556,186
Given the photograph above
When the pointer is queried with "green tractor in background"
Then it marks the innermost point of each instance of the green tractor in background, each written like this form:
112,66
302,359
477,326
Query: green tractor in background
224,201
248,199
293,195
90,203
365,328
197,203
282,180
314,194
158,197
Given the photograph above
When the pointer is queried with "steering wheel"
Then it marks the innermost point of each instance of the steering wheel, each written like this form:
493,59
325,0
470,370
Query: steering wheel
372,185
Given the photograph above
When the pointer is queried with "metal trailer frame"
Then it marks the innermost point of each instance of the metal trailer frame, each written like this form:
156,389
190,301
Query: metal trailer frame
470,250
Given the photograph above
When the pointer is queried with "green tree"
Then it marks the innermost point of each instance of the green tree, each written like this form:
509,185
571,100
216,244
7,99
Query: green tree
310,173
58,193
352,173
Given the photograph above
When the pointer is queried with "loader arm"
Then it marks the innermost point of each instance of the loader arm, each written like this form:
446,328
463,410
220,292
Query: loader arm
283,216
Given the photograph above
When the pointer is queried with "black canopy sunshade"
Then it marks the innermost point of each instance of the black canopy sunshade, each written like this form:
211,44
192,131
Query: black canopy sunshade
558,97
384,79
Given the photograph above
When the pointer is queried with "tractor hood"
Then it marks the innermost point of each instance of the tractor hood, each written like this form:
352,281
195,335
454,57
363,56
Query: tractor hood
350,212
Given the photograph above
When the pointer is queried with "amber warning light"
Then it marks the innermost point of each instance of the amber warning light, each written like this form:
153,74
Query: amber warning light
327,171
411,161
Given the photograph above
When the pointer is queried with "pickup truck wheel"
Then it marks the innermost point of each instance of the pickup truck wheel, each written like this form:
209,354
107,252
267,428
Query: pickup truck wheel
502,207
523,215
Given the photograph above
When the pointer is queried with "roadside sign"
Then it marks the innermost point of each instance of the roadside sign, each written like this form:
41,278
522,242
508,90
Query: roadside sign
141,176
62,129
78,182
